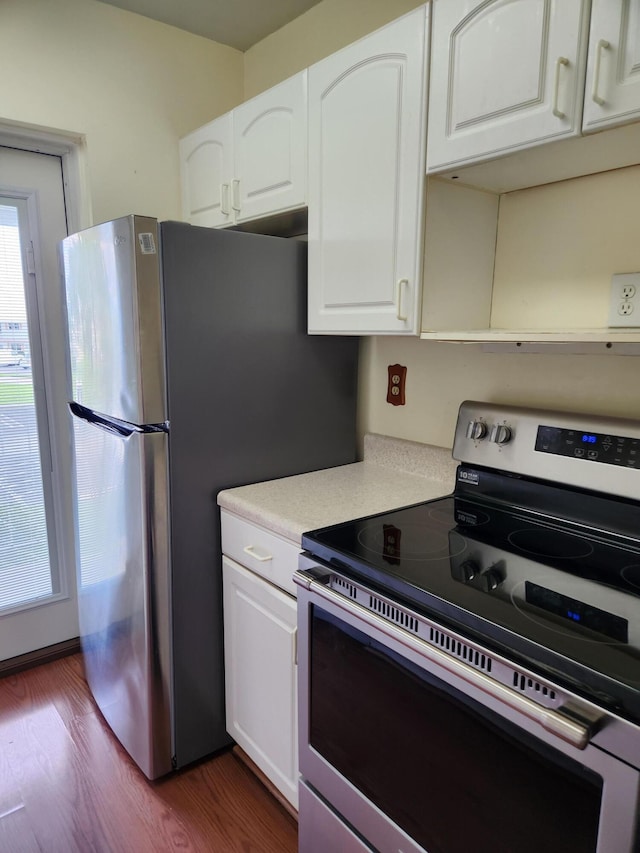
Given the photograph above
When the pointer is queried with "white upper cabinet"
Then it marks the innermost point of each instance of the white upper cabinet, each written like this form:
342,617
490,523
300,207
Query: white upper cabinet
612,93
249,163
505,75
270,151
206,162
366,182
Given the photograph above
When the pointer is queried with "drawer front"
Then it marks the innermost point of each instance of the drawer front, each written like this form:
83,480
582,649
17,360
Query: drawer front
320,829
260,551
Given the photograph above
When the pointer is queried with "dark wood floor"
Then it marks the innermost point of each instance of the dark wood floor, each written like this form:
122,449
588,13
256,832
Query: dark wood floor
67,786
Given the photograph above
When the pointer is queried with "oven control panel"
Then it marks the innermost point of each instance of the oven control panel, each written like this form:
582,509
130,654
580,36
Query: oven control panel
591,446
566,597
586,451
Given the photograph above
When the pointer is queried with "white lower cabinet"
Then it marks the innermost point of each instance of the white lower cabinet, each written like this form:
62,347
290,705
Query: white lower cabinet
261,674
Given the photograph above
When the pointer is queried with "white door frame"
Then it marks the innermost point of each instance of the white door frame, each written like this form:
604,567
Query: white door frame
71,148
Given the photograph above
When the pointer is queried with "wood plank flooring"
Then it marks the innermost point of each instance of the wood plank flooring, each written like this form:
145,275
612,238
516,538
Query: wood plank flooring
67,786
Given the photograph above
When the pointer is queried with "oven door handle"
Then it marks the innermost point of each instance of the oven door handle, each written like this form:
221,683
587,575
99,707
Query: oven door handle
571,729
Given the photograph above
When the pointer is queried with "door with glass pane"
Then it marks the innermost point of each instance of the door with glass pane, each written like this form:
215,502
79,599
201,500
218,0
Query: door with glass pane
37,586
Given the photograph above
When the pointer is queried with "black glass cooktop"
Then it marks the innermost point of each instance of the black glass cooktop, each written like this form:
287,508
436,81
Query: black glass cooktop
564,597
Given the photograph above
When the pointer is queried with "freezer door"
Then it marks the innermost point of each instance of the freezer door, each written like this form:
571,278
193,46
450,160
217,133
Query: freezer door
114,309
123,585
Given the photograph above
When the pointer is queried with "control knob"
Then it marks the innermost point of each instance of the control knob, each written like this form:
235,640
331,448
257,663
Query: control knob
465,571
501,434
468,570
476,430
490,580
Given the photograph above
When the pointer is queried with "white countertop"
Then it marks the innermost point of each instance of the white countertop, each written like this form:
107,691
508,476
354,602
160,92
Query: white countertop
394,473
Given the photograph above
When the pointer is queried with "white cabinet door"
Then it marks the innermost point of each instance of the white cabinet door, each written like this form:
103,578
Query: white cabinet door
261,674
270,151
505,75
366,159
249,163
206,170
612,93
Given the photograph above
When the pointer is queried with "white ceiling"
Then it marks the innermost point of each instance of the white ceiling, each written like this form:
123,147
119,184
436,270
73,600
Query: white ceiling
238,23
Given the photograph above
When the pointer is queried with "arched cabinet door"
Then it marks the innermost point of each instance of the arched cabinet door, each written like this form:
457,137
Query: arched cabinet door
250,162
206,167
367,107
505,75
270,151
612,94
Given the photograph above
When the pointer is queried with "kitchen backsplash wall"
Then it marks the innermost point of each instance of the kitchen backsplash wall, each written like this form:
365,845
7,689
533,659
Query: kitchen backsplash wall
441,375
130,85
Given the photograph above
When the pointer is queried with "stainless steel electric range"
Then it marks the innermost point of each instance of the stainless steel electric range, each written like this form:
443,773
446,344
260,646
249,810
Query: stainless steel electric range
469,667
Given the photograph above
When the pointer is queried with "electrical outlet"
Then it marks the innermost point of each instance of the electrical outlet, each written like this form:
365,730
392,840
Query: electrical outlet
395,384
624,302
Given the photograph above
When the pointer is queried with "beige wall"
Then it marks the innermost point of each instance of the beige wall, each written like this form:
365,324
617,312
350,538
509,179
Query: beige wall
441,376
130,85
322,30
558,246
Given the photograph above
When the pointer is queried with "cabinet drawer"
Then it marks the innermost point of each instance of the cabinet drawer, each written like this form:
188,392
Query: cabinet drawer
261,551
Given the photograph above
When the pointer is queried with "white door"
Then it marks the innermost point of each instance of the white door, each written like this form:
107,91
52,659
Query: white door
270,151
261,674
366,180
612,94
206,169
37,574
505,75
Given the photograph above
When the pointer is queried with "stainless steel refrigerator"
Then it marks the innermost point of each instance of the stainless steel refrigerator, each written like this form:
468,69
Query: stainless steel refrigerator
191,372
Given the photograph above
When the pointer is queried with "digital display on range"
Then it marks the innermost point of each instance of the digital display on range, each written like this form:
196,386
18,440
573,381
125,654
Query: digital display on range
590,446
578,612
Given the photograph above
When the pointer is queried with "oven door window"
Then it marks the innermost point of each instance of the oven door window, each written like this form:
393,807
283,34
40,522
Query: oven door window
451,774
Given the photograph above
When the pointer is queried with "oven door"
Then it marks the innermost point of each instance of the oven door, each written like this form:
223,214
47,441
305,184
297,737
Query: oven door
410,755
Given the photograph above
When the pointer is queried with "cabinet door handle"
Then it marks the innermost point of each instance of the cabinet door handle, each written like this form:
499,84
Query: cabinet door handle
403,284
251,551
560,61
224,199
602,45
235,195
294,644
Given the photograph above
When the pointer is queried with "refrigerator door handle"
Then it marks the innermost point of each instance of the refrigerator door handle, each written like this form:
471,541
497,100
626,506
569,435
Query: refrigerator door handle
112,425
109,425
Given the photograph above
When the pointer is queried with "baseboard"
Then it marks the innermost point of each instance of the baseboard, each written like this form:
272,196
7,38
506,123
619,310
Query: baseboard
39,656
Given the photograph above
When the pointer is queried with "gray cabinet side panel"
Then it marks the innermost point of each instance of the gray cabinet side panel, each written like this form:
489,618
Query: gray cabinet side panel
251,397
